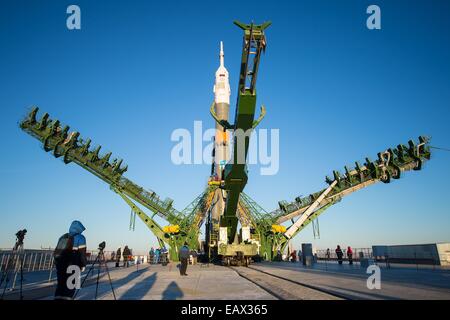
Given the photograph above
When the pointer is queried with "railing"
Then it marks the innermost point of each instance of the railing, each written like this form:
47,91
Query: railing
33,260
422,260
366,253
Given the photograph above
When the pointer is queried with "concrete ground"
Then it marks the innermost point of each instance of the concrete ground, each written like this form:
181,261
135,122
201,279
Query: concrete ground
156,282
217,282
351,281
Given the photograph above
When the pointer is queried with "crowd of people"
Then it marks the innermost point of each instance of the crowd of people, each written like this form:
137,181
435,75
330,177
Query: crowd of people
71,251
297,255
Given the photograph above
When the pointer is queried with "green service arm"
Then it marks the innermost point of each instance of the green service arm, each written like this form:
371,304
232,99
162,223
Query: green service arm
235,173
389,165
72,148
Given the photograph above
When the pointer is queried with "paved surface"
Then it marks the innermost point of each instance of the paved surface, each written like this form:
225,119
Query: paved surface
217,282
350,281
283,289
157,282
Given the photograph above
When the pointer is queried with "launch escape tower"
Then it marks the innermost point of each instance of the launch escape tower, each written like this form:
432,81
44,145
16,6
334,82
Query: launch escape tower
223,205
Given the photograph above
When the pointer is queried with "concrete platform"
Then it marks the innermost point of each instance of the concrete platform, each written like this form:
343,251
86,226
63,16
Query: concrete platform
156,282
350,281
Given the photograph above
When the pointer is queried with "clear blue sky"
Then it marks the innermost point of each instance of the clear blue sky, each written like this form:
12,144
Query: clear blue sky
137,70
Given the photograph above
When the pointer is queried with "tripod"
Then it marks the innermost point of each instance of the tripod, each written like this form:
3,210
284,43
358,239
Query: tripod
16,257
100,260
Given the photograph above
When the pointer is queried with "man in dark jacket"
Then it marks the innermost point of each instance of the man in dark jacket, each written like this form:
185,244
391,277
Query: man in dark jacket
339,254
126,256
118,255
71,250
184,256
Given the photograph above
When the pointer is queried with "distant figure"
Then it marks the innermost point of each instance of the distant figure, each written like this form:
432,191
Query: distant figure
164,256
350,255
299,254
126,256
157,253
70,250
20,236
328,254
293,256
194,257
184,256
278,257
152,254
118,255
339,254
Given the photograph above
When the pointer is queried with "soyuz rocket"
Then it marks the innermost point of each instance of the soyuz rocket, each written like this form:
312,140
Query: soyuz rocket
221,142
222,108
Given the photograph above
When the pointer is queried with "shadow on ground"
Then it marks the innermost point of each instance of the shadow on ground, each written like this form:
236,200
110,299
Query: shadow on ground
172,292
140,289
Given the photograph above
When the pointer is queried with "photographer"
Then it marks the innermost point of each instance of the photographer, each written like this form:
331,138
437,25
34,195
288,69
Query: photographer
70,250
20,236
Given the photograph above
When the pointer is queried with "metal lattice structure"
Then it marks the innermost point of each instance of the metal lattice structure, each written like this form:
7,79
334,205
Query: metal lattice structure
262,233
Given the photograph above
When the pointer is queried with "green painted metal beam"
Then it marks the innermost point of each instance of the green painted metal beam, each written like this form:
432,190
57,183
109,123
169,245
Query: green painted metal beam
72,148
235,173
389,165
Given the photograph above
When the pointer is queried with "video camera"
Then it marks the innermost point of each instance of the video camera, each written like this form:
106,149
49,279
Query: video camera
20,235
102,246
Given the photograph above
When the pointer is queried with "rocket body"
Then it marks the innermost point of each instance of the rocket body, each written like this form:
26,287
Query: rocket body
222,108
221,140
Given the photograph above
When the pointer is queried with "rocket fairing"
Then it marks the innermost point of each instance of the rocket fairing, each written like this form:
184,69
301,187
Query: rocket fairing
222,108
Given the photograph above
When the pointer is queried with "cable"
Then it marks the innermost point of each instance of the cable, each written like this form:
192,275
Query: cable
443,149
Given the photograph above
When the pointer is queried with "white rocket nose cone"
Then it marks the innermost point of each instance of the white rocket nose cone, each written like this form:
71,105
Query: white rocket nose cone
221,55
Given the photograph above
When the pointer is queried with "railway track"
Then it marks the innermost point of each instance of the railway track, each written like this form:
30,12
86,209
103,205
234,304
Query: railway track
283,288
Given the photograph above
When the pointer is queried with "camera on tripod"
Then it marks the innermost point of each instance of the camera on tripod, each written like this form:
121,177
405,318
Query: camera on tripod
102,246
20,236
101,262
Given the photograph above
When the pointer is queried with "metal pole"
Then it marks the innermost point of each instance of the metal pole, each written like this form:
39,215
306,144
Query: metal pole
15,271
51,270
24,259
7,262
34,262
3,258
40,262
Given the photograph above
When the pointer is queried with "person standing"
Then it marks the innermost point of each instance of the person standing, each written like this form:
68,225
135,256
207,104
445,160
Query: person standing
194,256
126,256
350,255
152,255
118,255
184,256
339,254
164,256
157,253
328,254
70,250
293,256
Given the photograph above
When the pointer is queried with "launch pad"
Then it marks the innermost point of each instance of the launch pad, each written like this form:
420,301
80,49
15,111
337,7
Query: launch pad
261,281
223,206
